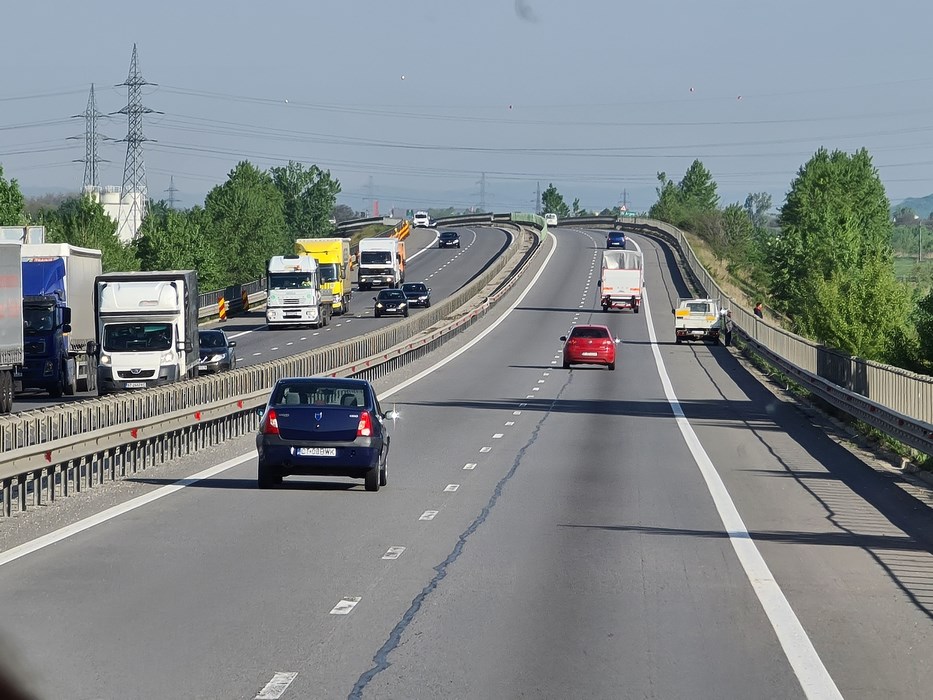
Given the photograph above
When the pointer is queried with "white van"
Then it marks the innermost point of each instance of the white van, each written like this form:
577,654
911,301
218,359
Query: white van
421,219
550,219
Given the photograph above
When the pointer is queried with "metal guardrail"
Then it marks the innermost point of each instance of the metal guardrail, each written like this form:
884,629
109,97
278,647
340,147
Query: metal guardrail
897,402
49,452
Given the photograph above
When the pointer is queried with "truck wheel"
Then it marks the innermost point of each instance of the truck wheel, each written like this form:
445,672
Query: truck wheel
677,340
346,305
58,389
6,392
636,307
605,308
72,387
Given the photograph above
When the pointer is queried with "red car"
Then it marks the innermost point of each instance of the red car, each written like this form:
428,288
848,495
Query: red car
590,345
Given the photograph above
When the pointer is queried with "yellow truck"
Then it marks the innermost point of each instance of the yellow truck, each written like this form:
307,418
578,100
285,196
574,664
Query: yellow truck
333,259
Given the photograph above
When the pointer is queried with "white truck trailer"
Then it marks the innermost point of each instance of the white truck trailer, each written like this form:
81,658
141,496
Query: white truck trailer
11,321
381,263
621,280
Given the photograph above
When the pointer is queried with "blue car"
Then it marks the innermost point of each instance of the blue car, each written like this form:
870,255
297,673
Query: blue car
615,239
323,426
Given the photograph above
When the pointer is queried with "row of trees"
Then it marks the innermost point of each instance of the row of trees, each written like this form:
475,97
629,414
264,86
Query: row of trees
246,220
826,263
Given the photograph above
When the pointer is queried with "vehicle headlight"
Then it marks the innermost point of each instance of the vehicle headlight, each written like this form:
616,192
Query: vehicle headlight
379,305
105,360
216,358
167,358
402,303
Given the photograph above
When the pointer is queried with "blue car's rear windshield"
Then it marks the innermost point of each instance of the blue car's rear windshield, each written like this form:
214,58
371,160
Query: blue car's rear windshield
305,393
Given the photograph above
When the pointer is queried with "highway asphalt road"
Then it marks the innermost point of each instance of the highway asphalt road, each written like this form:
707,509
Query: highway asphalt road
444,270
668,530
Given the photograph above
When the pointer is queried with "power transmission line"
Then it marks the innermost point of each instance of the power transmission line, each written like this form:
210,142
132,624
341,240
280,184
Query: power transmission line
92,140
172,191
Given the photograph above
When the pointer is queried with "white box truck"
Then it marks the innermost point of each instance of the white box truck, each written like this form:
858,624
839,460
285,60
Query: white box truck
295,297
621,280
11,321
147,328
381,263
60,342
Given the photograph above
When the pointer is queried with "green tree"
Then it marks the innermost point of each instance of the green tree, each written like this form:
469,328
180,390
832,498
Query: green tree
82,222
757,206
575,208
832,266
552,202
12,203
698,189
309,197
343,213
246,223
178,240
669,206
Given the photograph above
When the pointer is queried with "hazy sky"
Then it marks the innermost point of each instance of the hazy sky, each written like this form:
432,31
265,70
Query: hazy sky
595,96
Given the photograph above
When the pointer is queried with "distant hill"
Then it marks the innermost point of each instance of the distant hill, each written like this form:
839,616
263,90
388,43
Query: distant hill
922,206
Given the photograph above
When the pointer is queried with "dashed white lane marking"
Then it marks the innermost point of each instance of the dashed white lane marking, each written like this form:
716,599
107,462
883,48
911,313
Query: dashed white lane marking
429,515
257,354
451,487
252,330
510,422
287,344
516,413
553,362
316,333
498,436
469,465
276,688
274,349
346,605
547,374
302,339
536,388
814,678
540,381
393,552
485,449
530,396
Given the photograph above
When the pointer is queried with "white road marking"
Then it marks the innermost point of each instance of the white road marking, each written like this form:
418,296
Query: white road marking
517,413
274,349
522,405
451,487
537,388
540,381
498,436
346,605
302,339
530,396
316,333
547,374
553,362
287,344
510,422
257,354
808,667
469,465
276,688
485,449
252,330
429,515
393,552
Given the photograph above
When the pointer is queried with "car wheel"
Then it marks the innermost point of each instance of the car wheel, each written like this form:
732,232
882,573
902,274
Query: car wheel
372,479
566,364
266,477
405,314
384,472
427,303
612,366
377,314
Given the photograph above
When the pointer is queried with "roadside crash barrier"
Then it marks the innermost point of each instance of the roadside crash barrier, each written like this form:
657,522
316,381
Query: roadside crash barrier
50,453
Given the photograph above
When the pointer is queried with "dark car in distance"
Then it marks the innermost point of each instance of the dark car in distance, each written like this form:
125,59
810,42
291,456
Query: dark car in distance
323,426
390,301
615,239
448,239
217,351
417,293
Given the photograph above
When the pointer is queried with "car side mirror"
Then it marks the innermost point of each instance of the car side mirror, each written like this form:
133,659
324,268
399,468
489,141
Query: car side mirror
563,338
618,340
66,328
260,411
183,347
92,348
231,344
374,298
672,310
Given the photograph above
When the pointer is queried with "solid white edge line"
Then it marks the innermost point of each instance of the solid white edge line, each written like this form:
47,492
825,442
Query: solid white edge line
116,511
70,530
813,676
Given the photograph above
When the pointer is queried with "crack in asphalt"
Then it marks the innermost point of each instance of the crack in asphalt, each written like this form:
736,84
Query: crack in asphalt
381,659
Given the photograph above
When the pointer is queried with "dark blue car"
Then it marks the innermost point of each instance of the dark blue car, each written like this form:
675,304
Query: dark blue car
323,426
615,239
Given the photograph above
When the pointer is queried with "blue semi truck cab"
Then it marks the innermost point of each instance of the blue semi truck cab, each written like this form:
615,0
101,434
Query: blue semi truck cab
58,319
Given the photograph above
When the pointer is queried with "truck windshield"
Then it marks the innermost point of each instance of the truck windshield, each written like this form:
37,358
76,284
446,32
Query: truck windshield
290,280
376,257
329,272
137,337
38,319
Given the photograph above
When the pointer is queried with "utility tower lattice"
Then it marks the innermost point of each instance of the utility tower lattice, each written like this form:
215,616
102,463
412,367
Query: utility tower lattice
92,139
134,195
172,191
